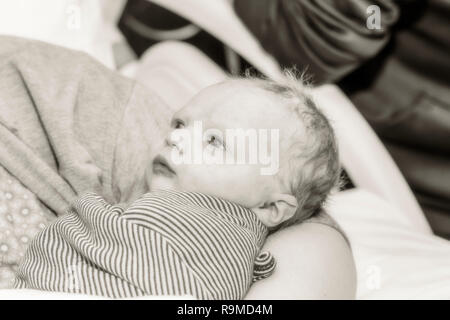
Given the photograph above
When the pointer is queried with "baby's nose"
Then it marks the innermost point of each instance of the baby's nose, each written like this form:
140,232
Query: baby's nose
174,141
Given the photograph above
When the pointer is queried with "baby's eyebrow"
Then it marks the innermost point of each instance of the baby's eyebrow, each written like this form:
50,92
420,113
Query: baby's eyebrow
176,119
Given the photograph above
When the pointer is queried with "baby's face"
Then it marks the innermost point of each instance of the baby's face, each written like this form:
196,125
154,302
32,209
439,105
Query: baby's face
202,153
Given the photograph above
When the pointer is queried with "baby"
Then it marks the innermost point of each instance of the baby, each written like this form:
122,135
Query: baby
201,228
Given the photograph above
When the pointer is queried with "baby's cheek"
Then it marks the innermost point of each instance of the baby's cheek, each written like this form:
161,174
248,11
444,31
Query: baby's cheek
160,182
239,183
194,178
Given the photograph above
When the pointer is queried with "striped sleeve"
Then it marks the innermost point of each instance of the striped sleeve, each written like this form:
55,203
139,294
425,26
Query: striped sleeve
93,251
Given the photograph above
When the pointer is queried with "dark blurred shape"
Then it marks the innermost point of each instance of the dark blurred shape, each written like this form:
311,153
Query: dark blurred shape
144,24
329,37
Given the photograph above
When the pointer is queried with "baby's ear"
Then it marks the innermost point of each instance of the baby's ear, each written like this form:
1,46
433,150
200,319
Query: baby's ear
279,208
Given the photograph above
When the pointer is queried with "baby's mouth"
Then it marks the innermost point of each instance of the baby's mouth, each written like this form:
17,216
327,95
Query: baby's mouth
162,167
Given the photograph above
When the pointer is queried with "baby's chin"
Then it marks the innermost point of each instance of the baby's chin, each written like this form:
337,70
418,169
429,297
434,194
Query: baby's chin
159,182
163,182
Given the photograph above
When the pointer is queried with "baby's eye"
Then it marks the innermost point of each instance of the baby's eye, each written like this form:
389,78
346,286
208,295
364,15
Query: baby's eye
177,124
215,142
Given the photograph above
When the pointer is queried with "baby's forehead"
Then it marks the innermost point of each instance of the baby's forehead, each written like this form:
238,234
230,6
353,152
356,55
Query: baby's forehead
244,104
231,91
236,101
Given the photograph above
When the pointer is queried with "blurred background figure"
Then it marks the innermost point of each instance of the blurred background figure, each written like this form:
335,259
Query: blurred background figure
144,24
397,72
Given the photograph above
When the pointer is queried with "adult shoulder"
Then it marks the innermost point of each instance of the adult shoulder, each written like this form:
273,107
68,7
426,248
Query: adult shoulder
314,261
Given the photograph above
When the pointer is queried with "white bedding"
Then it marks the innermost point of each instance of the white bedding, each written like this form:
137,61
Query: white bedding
393,260
81,25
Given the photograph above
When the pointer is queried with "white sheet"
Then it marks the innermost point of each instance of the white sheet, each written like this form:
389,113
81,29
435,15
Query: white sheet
393,261
81,25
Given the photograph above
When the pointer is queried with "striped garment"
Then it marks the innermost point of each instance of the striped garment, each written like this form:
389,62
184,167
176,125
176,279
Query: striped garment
165,243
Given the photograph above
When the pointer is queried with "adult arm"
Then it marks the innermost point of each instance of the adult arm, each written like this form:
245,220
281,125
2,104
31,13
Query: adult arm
328,38
313,262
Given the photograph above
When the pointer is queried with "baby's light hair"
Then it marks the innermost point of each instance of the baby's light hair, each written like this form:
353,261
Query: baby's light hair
313,167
